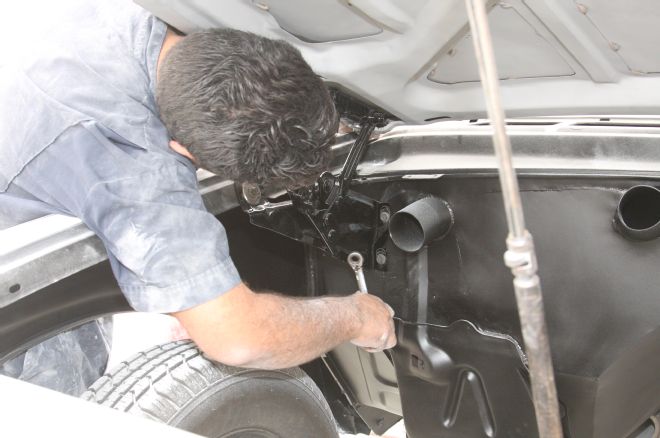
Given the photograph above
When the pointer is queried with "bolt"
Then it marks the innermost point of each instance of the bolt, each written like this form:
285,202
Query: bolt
251,193
384,215
327,219
381,256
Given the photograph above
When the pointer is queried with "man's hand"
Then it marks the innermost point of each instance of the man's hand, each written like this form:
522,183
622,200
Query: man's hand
266,330
376,332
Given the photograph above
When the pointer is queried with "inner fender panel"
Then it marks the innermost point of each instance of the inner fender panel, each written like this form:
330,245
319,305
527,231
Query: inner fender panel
601,302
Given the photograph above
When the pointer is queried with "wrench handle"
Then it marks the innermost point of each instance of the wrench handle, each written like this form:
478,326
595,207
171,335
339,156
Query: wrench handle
362,283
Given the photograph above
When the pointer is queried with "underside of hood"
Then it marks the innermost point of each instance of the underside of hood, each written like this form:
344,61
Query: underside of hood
415,60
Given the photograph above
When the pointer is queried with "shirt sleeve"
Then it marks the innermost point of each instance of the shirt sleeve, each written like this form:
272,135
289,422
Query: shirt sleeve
167,252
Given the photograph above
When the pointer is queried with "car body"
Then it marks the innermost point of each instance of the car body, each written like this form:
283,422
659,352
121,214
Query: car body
65,414
460,367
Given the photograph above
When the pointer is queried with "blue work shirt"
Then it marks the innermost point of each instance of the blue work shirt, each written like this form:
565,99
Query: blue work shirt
80,135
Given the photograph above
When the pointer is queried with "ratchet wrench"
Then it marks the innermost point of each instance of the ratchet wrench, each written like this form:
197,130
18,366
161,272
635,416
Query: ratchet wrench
355,261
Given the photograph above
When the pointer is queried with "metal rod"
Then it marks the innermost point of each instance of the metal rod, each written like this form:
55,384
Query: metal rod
520,255
490,83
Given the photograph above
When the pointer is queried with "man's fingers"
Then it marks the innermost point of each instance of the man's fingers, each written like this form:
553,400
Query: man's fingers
383,339
391,342
391,338
387,340
377,331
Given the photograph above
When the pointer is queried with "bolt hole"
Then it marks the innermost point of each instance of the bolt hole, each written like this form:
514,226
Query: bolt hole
14,288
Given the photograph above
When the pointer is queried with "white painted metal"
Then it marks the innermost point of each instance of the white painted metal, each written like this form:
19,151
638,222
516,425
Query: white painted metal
31,411
558,57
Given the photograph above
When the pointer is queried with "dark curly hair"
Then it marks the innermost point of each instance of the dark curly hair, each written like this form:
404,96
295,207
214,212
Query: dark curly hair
247,107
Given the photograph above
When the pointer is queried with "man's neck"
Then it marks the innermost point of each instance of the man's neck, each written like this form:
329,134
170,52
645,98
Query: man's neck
171,38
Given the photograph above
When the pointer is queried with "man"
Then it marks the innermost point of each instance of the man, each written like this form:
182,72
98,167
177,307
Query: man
107,117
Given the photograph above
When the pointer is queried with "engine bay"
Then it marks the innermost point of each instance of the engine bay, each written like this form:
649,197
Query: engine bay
460,368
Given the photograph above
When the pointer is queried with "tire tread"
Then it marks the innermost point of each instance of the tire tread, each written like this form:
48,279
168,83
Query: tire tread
158,382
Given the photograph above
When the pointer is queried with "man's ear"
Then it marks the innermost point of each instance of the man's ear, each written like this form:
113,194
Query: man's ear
179,149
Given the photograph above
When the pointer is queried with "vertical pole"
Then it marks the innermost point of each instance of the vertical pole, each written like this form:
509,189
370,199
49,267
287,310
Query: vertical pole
520,255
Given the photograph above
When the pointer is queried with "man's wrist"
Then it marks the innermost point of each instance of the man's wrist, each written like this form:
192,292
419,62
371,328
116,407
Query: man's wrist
348,318
354,315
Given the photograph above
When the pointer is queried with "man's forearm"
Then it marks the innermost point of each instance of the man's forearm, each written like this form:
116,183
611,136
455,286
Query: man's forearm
265,330
285,331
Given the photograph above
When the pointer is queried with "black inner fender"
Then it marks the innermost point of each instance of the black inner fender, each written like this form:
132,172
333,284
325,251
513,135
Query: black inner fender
600,295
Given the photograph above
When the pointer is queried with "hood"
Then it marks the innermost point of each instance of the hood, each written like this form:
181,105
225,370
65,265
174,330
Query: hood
414,58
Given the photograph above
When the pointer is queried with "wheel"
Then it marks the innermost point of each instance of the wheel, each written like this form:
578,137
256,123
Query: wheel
174,383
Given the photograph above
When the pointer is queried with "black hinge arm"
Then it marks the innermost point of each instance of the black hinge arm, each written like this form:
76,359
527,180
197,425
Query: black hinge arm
354,156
